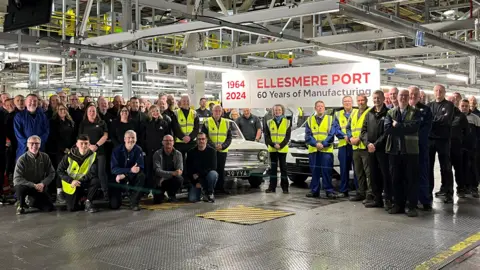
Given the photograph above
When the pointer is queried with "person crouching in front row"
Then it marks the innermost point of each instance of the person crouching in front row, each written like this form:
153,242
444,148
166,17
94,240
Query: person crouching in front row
168,169
33,173
78,171
128,169
202,166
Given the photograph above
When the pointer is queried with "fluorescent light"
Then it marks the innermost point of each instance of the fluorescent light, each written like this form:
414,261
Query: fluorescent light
170,79
457,77
208,96
21,85
416,68
430,92
209,68
344,56
34,57
212,82
48,82
149,97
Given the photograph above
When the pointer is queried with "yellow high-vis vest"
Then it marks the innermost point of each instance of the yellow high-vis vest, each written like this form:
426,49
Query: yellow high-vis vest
218,135
186,124
343,121
277,134
320,132
76,172
356,124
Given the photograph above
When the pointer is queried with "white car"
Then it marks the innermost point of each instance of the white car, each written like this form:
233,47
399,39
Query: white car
298,167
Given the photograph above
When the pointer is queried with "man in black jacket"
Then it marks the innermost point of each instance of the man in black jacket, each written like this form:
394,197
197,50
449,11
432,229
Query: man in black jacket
138,119
443,112
373,136
470,147
202,166
459,132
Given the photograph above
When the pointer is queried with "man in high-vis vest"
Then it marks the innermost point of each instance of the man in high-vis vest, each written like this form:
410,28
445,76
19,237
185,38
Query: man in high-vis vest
219,135
345,150
78,171
320,131
360,153
277,136
186,126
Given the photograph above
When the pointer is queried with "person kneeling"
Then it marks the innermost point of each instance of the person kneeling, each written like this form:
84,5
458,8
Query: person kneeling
201,164
168,168
128,169
78,171
33,173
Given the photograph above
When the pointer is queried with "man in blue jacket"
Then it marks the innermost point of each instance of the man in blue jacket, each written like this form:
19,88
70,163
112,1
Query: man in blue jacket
129,171
29,122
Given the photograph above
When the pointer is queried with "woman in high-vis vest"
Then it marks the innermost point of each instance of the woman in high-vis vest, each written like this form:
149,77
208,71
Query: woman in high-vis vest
78,171
320,131
277,136
219,135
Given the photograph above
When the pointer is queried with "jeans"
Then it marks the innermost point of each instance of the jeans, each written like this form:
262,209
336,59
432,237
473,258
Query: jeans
208,185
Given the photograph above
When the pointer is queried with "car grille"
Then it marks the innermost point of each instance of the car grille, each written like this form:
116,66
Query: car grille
300,145
301,169
242,156
300,155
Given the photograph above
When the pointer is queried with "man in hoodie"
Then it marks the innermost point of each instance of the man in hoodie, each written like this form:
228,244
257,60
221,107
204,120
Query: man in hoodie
129,171
470,147
373,136
78,171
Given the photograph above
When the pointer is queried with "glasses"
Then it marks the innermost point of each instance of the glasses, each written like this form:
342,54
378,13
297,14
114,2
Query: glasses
201,139
34,143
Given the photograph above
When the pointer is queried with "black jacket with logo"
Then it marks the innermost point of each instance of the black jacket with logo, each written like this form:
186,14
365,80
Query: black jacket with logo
373,130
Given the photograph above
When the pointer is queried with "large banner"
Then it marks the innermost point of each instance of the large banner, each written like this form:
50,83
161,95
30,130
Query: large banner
299,87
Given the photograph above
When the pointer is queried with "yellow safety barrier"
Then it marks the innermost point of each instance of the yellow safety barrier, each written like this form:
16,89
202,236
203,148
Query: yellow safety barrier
245,215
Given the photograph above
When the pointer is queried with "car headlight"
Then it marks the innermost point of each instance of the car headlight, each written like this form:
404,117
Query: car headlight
262,155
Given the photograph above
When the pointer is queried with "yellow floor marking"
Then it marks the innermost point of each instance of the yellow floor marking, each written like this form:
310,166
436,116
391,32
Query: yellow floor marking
443,256
244,215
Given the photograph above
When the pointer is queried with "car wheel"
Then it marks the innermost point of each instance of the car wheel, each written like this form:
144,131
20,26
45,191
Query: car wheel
255,181
298,178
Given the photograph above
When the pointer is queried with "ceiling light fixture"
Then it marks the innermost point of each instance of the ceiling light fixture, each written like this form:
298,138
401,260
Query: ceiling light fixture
28,56
457,77
344,56
416,69
209,68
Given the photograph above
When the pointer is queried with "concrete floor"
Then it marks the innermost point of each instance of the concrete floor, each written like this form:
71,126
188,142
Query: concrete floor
321,235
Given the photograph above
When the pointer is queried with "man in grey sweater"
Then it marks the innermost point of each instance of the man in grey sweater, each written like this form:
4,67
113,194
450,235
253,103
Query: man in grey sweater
168,168
33,173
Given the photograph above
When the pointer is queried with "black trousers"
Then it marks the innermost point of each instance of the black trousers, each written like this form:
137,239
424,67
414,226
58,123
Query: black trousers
404,170
170,185
3,158
442,147
40,200
470,169
278,159
221,160
379,175
134,184
55,158
150,183
11,157
456,157
73,200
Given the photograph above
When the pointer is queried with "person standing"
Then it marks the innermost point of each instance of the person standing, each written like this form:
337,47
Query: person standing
373,136
425,195
360,154
97,131
250,126
186,126
203,112
52,106
33,173
469,149
219,134
138,119
401,126
443,112
345,150
12,141
29,122
120,126
202,165
117,103
320,131
277,137
393,94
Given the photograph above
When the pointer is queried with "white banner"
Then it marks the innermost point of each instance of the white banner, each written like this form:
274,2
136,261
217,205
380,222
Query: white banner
300,87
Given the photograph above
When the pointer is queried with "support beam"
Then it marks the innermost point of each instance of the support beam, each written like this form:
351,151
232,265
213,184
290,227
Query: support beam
472,70
354,37
127,91
83,26
302,9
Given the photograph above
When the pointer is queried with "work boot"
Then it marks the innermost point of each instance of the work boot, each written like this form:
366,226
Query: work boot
461,194
468,191
331,195
374,204
20,210
357,198
286,192
60,198
397,210
172,199
135,207
448,198
368,199
269,190
475,194
411,212
211,198
427,207
312,195
222,191
89,207
440,193
342,195
387,205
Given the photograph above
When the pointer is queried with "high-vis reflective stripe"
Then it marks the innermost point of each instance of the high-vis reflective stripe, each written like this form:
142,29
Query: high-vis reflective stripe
343,121
320,132
278,134
356,124
218,135
186,124
76,172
